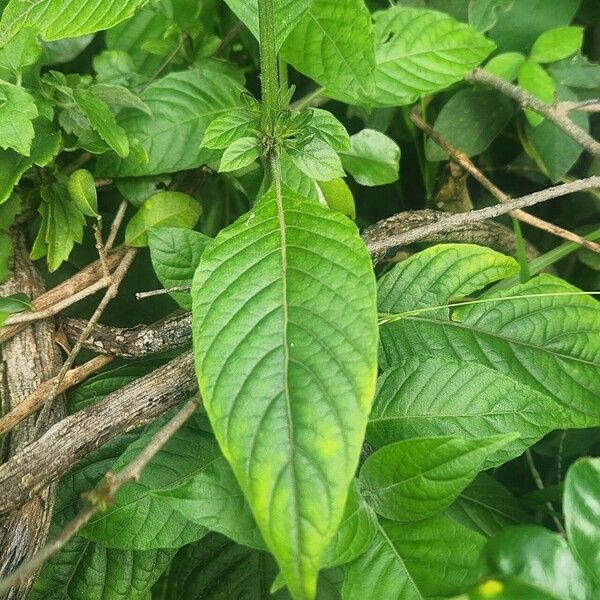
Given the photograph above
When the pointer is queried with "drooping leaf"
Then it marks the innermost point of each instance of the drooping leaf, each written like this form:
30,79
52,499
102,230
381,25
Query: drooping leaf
417,478
546,337
17,111
102,120
437,396
288,277
82,189
9,305
138,519
318,160
582,515
58,19
420,52
470,121
240,154
487,507
373,158
287,15
334,45
165,209
183,105
433,558
556,44
175,254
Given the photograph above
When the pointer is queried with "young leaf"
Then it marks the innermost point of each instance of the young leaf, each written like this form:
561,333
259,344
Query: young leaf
17,110
420,52
82,189
175,254
334,45
288,277
328,129
228,128
506,65
548,336
470,121
373,158
139,520
102,120
582,515
432,558
57,19
240,154
534,79
415,479
438,396
556,44
183,105
165,209
318,160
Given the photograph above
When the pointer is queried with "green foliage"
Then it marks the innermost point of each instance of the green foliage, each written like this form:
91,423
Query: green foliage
358,439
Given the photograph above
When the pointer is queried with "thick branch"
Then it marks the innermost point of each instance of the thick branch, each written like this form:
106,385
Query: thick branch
134,405
526,100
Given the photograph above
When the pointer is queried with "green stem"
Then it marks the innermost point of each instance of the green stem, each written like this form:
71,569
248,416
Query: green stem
268,65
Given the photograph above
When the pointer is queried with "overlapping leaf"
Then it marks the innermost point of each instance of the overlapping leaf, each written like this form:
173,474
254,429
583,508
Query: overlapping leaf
285,332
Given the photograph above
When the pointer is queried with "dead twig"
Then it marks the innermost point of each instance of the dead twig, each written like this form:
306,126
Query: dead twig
115,225
526,100
463,160
152,293
101,496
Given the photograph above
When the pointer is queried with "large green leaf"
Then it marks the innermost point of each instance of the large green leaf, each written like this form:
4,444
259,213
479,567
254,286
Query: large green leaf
437,396
182,104
175,253
140,520
433,558
544,333
284,326
287,15
57,19
487,507
582,515
420,52
415,479
334,45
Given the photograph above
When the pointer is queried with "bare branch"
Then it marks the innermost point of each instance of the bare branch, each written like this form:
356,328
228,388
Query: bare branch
101,496
115,225
152,293
463,160
526,100
385,243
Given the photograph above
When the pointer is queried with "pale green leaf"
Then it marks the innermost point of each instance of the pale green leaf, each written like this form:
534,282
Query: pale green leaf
17,110
556,44
334,45
138,519
57,19
164,209
240,154
534,79
22,51
287,15
288,277
437,396
339,197
470,121
328,129
417,478
228,128
581,506
183,105
102,120
432,558
545,334
82,189
373,158
420,52
175,254
506,65
318,160
483,14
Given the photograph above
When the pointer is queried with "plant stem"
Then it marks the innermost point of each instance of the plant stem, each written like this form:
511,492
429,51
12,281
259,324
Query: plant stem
268,65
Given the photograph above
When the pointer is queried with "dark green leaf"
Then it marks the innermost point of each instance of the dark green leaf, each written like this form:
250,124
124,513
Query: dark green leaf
483,14
576,72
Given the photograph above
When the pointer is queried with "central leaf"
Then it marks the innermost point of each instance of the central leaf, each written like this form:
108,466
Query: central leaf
285,337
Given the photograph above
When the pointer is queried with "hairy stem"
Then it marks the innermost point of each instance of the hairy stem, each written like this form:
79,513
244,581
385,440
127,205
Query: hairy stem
269,74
